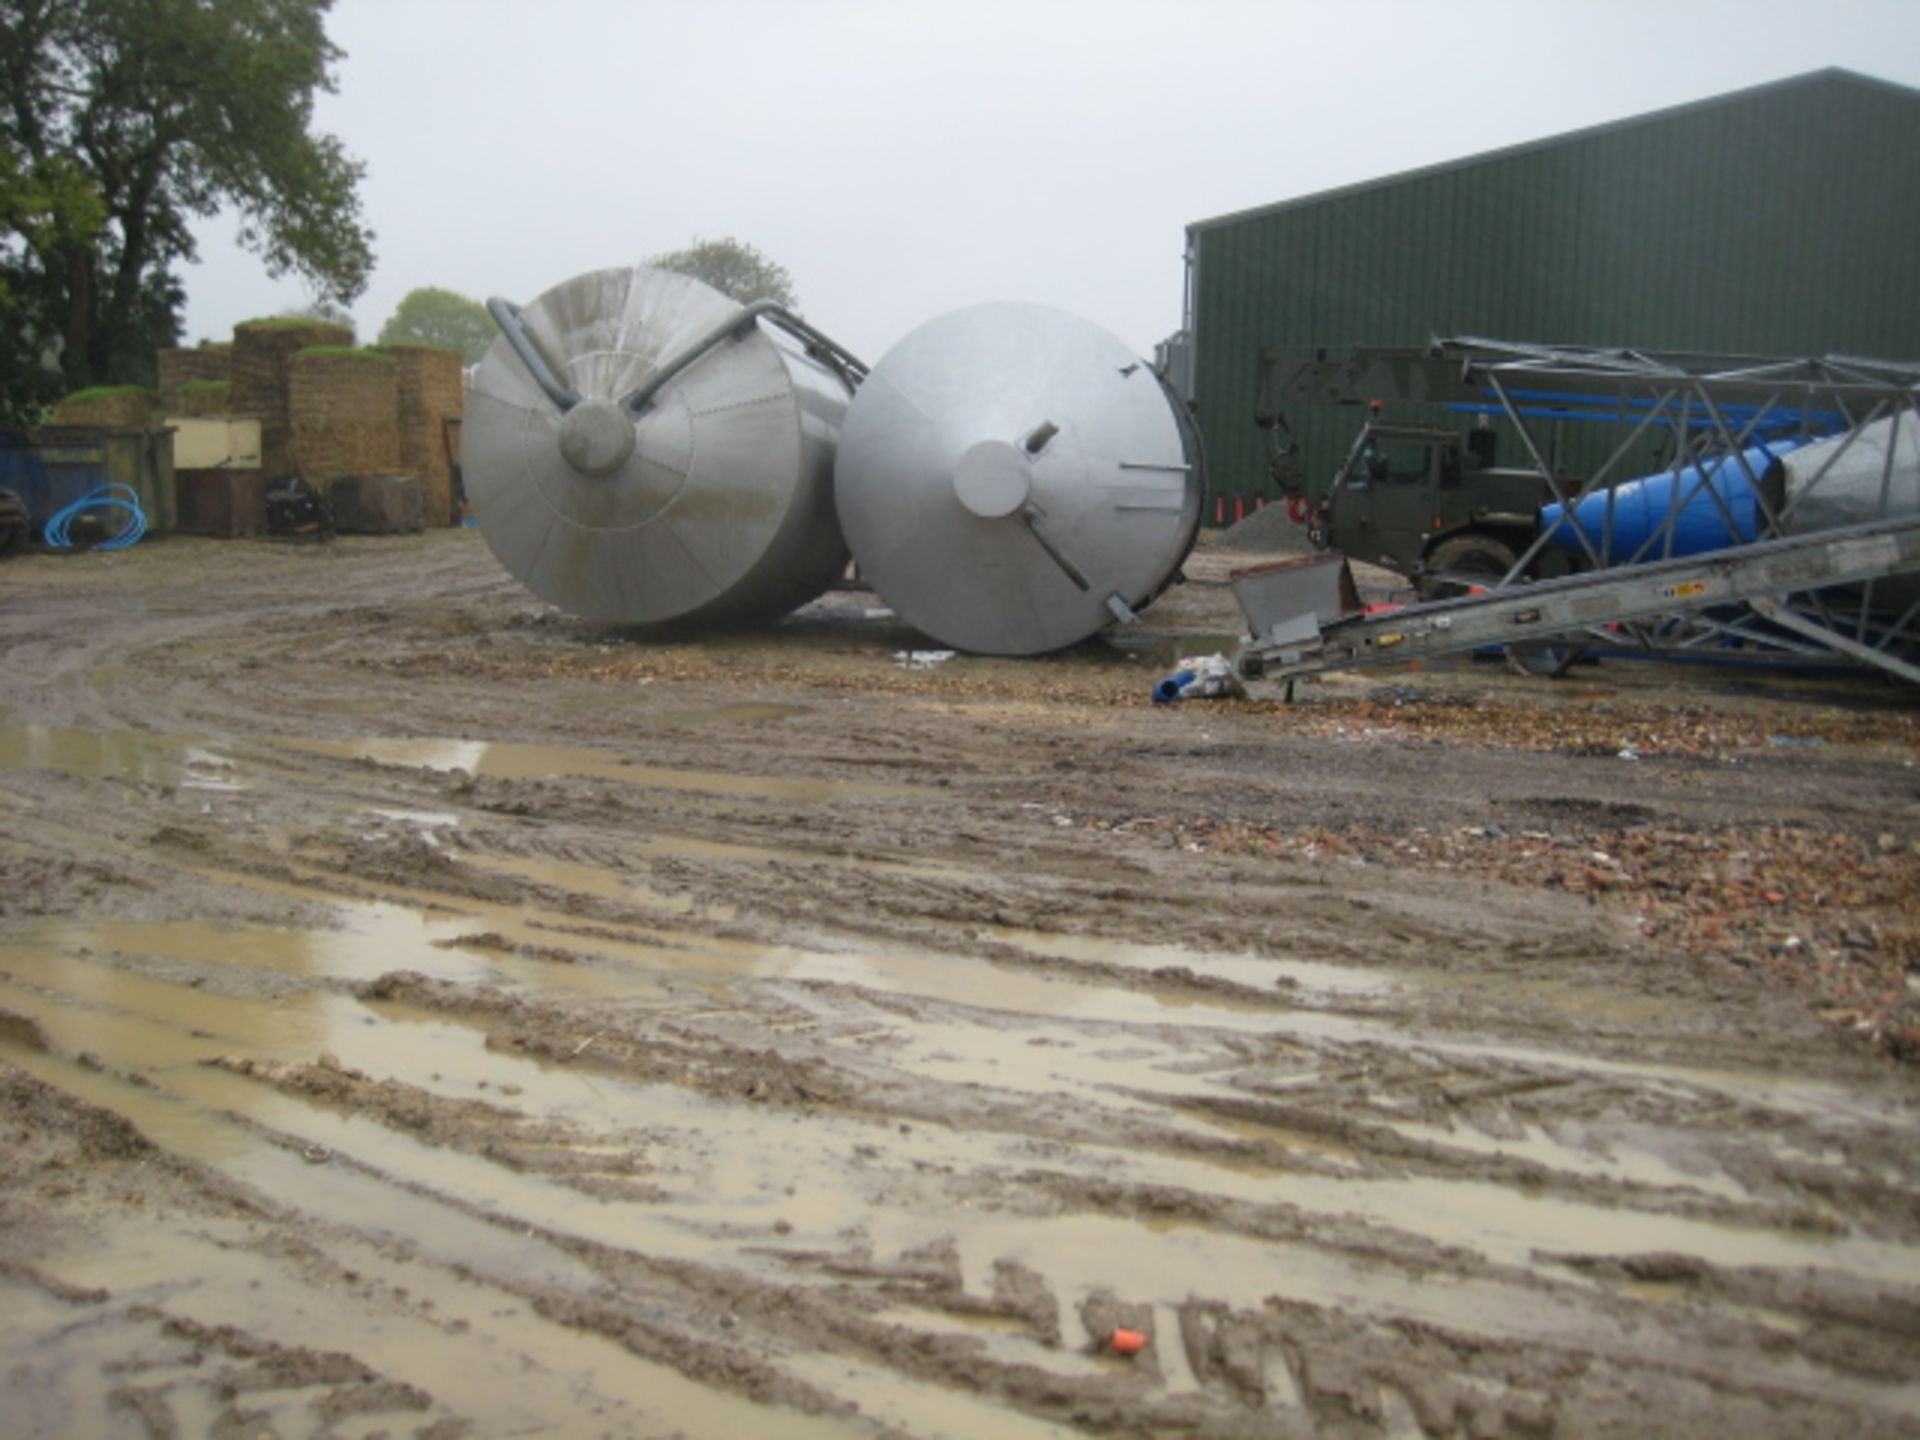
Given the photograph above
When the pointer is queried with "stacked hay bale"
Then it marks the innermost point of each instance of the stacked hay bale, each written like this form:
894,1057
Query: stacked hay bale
185,373
110,406
197,398
431,392
341,404
263,352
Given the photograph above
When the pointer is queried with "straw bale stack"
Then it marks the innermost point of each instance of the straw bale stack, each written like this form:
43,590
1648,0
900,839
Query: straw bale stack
263,352
196,367
196,398
342,404
113,406
432,391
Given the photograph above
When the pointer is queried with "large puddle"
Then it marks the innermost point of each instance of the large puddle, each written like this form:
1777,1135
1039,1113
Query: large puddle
499,761
503,1361
118,754
204,764
106,989
1036,1046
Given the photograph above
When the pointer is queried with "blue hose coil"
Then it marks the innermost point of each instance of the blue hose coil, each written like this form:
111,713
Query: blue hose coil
113,496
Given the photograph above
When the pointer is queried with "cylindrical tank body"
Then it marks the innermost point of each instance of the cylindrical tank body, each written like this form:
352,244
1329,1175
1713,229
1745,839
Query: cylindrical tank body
712,502
1832,483
1847,480
1012,479
1714,513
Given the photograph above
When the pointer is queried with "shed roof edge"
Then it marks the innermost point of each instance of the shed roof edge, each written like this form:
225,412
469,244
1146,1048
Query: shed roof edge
1830,74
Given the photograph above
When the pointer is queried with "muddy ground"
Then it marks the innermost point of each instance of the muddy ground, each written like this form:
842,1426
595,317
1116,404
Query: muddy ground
422,1014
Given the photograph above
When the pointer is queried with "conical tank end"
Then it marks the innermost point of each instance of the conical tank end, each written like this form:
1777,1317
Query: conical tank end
1012,479
711,500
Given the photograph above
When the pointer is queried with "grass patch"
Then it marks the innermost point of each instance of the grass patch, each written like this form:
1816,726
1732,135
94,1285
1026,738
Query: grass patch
343,352
103,392
287,322
398,346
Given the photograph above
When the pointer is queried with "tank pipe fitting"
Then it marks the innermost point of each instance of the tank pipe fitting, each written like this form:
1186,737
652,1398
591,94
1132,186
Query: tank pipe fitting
1032,515
507,316
819,346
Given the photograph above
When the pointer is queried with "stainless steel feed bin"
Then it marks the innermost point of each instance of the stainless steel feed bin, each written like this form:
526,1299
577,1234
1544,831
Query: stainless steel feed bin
709,498
1012,479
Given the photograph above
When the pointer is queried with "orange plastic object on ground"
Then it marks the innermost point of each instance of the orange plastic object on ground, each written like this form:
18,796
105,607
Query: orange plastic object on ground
1127,1342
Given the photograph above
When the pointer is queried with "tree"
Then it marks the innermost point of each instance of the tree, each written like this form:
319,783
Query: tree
734,268
431,316
330,312
123,120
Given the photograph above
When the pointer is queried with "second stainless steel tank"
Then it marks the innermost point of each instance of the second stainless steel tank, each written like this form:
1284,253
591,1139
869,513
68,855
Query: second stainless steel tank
1012,479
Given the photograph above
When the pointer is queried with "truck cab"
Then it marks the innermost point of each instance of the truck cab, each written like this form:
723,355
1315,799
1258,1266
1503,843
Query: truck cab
1419,500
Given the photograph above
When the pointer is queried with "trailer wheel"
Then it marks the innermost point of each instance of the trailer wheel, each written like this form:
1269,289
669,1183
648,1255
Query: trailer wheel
1544,659
1455,566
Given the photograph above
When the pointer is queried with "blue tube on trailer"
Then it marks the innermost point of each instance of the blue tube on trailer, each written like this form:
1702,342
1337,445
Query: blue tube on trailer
1716,503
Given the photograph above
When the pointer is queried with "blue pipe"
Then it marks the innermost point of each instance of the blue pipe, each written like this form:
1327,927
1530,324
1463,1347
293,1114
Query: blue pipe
1168,690
102,497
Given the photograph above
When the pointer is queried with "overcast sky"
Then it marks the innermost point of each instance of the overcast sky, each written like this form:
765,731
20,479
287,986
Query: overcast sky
902,159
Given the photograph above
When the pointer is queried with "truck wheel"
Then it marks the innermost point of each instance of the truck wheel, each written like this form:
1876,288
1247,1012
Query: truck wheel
1455,566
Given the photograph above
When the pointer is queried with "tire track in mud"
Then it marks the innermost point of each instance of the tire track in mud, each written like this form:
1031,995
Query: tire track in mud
755,1107
751,1055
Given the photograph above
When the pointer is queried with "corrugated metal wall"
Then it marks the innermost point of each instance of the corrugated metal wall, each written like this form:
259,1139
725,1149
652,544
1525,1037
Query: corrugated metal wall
1776,221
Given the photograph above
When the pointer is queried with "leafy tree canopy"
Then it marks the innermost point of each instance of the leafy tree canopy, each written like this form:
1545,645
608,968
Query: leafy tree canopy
734,268
331,312
431,316
121,121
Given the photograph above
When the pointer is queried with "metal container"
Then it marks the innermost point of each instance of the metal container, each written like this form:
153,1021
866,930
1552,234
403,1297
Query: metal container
1850,480
222,503
673,463
1713,505
215,442
1012,479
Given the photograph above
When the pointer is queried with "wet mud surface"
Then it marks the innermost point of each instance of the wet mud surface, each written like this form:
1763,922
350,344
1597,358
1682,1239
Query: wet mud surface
422,1014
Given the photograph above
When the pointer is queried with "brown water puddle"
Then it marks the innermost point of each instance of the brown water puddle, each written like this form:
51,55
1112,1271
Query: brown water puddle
750,1171
910,1407
660,953
118,754
543,1368
1043,1045
199,764
1066,1038
164,1029
504,761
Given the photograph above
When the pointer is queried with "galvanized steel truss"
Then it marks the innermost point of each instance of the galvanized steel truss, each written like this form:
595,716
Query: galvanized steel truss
1707,406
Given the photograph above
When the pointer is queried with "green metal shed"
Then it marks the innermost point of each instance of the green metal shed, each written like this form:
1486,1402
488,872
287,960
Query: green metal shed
1779,220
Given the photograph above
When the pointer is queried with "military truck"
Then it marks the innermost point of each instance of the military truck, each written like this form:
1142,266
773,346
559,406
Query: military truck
1430,504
